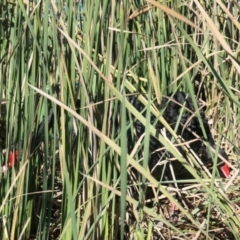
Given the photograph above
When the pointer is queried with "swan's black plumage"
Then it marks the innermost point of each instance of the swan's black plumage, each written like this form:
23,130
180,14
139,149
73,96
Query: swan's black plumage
173,107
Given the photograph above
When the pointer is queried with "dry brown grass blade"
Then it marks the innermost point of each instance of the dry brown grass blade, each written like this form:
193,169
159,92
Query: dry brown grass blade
139,12
173,13
233,19
217,35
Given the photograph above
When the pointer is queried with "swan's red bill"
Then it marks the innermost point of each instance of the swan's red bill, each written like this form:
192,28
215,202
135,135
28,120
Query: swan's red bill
12,158
225,170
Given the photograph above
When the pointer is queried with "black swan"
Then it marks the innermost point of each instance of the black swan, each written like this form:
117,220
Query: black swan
176,108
